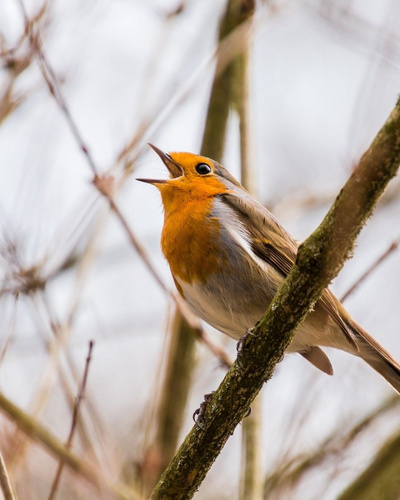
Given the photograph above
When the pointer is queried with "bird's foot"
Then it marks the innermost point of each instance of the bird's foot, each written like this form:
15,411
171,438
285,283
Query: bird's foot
248,413
198,415
240,346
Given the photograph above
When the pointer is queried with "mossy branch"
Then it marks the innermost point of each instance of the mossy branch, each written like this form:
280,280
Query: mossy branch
319,260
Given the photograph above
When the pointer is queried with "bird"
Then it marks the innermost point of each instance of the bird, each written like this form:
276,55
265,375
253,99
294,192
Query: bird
228,255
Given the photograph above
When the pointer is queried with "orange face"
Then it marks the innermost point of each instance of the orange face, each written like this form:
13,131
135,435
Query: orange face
192,178
189,227
191,165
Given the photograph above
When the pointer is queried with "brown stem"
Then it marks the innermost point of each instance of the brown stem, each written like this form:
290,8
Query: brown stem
81,393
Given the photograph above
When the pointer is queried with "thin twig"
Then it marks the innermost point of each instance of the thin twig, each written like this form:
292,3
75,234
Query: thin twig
38,433
393,246
381,478
215,348
54,87
104,184
46,319
291,471
9,331
81,395
5,481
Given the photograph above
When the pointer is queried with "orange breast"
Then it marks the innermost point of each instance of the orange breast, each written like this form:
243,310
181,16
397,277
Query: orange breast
190,241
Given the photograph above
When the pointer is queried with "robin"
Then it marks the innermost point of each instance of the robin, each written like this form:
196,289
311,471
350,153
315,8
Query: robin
228,256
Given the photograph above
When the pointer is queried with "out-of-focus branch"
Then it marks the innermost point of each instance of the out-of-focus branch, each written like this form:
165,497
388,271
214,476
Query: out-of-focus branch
381,479
105,185
221,97
16,60
251,480
54,87
318,261
290,472
240,101
81,395
39,434
392,247
174,392
5,481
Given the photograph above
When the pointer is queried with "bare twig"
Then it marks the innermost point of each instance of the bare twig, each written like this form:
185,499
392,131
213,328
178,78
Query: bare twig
15,61
81,395
54,87
392,247
216,348
381,479
38,433
227,49
57,346
290,472
104,183
5,481
10,331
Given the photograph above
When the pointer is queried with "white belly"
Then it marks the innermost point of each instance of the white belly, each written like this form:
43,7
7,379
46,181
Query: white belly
236,296
233,315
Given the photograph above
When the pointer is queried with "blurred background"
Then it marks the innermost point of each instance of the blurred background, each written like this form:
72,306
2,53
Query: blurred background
86,84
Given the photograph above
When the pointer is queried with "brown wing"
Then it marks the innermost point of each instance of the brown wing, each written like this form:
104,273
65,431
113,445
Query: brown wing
275,246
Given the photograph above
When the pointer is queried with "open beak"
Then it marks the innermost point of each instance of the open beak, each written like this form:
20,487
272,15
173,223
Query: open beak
174,168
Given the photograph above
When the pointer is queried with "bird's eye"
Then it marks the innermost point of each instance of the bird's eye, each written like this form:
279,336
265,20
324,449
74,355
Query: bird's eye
203,169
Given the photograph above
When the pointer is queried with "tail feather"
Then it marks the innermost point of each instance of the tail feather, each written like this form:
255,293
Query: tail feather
376,356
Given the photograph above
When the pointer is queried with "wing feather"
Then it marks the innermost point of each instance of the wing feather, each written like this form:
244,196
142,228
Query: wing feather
271,243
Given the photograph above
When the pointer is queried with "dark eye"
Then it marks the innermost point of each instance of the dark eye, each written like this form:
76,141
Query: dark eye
203,169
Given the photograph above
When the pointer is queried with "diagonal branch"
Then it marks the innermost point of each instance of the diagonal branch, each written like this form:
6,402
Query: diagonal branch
288,474
81,395
381,479
318,261
392,247
6,486
38,433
